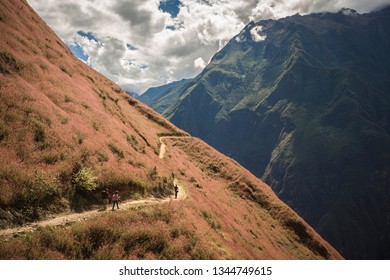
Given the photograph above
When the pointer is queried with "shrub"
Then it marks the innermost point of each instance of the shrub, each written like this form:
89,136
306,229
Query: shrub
138,233
79,138
9,64
143,241
57,240
39,134
31,194
64,120
102,156
95,126
136,164
116,150
92,80
84,179
52,158
134,143
306,238
214,225
163,214
65,70
3,134
213,168
127,186
153,174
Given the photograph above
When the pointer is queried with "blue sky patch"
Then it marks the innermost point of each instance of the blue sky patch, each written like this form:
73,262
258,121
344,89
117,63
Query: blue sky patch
131,47
88,35
171,27
78,51
171,7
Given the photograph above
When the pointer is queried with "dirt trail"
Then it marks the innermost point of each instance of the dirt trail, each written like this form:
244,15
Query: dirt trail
68,218
162,148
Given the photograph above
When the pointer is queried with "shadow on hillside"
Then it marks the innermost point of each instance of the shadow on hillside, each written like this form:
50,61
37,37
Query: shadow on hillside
83,201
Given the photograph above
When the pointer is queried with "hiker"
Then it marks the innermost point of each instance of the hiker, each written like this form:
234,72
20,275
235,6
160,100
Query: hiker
176,190
104,198
115,199
108,199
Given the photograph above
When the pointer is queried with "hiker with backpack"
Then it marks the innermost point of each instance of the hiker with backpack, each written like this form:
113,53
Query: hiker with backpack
115,199
108,199
105,198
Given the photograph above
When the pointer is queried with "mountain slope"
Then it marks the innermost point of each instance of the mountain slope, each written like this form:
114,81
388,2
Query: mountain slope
66,133
160,98
303,102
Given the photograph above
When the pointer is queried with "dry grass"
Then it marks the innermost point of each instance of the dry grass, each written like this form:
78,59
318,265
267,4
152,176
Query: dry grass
143,233
55,123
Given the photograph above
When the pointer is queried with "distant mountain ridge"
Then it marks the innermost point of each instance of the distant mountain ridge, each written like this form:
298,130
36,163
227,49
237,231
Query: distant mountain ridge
303,102
132,93
161,97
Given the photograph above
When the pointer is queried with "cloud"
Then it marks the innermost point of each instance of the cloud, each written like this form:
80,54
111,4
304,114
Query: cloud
282,8
256,34
144,43
199,63
144,18
336,5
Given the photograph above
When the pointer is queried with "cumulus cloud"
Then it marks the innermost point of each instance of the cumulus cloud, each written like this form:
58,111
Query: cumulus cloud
144,43
199,63
143,17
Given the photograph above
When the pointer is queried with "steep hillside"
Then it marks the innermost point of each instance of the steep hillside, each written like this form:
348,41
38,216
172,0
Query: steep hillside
303,102
66,133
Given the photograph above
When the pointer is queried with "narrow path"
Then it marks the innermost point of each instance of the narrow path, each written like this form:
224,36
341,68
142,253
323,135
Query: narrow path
65,219
162,148
68,218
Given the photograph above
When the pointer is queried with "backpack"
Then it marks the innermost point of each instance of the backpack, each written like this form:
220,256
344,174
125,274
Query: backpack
104,194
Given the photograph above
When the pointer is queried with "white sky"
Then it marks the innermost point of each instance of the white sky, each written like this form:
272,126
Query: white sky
159,54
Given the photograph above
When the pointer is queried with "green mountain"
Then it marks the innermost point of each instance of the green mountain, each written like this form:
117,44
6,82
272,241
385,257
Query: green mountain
160,98
303,102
